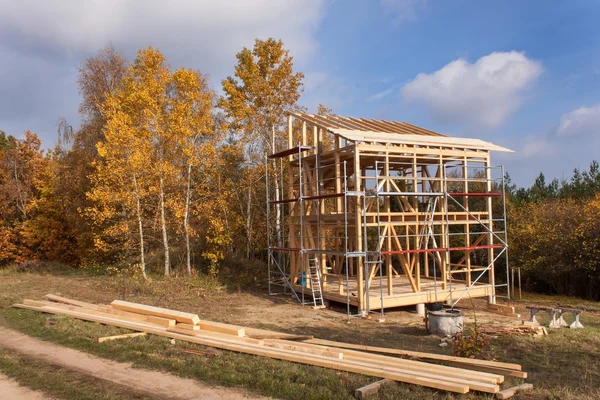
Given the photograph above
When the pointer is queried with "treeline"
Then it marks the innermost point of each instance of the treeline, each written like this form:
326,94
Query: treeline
165,176
162,175
554,233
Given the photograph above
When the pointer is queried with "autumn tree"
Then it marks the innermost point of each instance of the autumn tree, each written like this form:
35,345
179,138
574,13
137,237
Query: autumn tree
193,142
21,161
264,87
157,125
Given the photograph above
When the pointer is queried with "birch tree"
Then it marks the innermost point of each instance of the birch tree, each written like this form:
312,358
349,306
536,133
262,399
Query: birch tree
264,87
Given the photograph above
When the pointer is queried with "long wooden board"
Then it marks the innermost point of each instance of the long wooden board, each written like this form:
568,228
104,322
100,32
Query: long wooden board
179,316
125,316
416,354
409,365
72,302
124,336
282,354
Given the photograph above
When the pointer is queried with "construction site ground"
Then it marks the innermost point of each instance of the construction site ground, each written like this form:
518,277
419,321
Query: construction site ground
565,364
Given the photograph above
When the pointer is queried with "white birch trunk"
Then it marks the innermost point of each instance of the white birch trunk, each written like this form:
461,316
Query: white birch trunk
277,195
140,227
186,220
249,222
163,222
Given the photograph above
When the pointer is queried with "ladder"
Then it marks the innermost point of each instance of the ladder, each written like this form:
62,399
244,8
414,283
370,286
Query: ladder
315,282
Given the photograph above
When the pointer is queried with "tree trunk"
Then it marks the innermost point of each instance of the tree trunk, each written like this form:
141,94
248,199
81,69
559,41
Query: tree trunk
186,221
140,227
277,195
249,222
163,222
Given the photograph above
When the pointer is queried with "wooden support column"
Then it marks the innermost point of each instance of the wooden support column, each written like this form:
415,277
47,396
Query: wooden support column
320,191
388,238
416,262
444,242
467,226
360,276
491,273
292,242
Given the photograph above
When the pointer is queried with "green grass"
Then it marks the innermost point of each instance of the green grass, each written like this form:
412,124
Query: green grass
58,382
563,365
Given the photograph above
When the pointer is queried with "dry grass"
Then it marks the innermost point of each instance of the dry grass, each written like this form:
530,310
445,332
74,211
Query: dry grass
562,365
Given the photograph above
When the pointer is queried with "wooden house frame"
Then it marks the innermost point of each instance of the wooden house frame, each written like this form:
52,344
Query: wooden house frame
377,214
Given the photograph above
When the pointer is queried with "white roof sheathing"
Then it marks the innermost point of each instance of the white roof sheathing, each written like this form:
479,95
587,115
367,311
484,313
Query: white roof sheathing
420,140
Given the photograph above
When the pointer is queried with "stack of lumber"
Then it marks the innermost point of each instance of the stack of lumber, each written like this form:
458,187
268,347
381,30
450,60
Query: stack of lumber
497,330
460,376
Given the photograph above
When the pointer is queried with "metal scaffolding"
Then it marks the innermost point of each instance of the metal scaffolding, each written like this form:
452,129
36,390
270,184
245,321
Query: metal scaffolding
377,226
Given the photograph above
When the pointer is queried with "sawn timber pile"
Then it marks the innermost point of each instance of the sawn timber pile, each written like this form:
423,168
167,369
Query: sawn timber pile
465,374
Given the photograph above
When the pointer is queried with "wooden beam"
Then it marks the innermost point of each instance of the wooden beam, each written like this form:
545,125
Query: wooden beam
370,389
282,354
510,392
178,316
64,300
416,354
124,336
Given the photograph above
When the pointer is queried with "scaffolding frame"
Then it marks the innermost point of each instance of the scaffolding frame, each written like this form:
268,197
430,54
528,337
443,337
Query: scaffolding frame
354,207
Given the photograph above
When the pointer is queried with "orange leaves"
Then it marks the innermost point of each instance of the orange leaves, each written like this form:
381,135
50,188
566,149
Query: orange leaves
556,243
264,88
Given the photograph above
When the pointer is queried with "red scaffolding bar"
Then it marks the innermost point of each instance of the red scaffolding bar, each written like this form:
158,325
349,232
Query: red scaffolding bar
475,194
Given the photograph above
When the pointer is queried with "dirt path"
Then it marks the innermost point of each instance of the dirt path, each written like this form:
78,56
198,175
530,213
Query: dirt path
150,383
10,389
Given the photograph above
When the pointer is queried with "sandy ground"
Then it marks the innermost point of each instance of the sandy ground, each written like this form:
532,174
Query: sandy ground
150,383
10,389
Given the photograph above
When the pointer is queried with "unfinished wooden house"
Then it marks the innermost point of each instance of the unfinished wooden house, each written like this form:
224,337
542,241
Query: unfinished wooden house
377,214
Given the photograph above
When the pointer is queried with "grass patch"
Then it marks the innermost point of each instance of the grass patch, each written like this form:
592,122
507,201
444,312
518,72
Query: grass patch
562,365
59,382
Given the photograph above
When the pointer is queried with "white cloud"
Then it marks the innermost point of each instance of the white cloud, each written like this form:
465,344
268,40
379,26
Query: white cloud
482,95
582,121
42,43
200,30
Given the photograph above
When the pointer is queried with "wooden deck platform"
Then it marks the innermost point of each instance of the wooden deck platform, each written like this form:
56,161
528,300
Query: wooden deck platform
403,295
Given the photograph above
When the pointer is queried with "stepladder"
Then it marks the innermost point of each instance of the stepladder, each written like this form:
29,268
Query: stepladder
314,270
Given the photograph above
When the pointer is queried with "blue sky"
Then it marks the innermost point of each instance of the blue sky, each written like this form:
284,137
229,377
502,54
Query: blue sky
523,74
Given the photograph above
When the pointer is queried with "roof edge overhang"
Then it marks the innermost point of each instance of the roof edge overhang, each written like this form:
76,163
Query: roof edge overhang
397,138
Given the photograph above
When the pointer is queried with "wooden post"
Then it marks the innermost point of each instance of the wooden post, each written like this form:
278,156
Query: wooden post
492,276
292,242
467,224
358,231
320,191
445,260
388,239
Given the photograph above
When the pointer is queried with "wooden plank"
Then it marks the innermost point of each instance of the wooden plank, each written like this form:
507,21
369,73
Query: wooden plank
106,311
165,322
370,389
188,327
294,346
492,370
417,354
178,316
281,354
510,392
124,336
282,336
72,302
182,331
500,308
219,327
410,365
